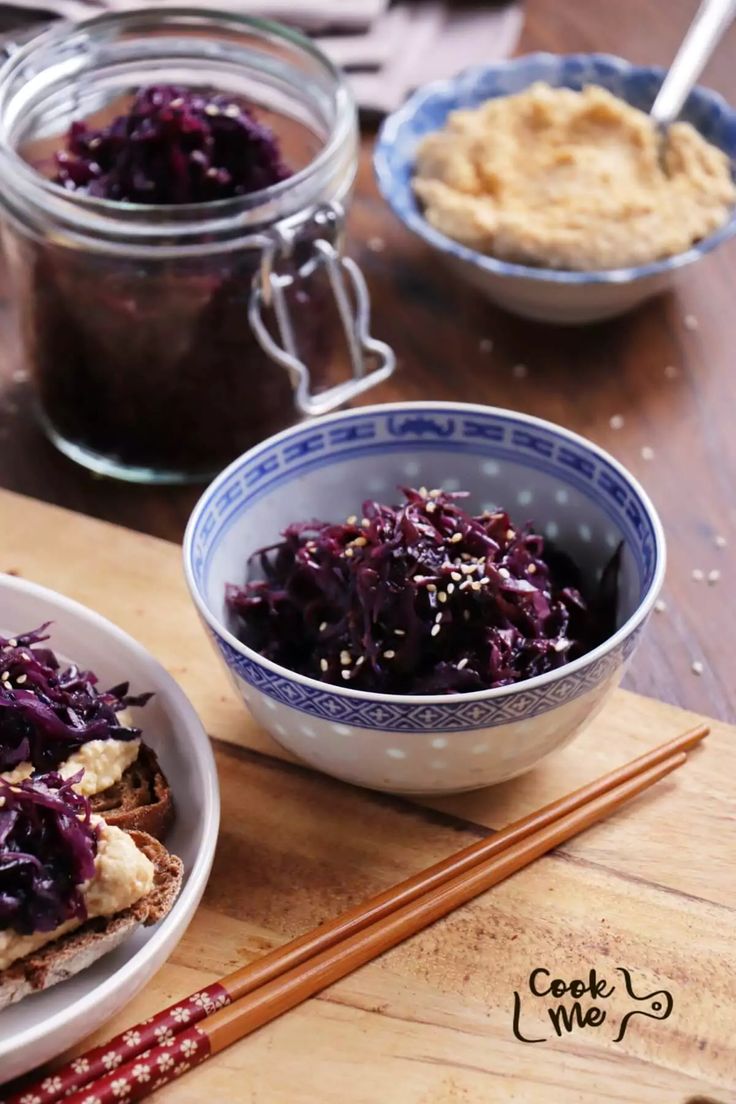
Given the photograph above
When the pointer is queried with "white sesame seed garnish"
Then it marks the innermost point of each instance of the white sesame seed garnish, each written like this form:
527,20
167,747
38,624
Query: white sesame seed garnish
697,574
475,585
323,626
323,665
360,542
450,588
376,245
438,617
435,492
468,569
465,585
352,520
435,630
5,675
671,371
345,658
532,569
12,643
346,674
720,542
390,654
365,523
647,453
431,507
462,663
697,667
432,588
713,576
690,322
423,492
455,538
520,371
349,552
360,661
561,644
456,577
484,581
232,111
660,605
399,632
510,534
485,345
442,597
616,421
211,109
504,573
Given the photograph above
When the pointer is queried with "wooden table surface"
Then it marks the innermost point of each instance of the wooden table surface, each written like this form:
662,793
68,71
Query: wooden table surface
666,370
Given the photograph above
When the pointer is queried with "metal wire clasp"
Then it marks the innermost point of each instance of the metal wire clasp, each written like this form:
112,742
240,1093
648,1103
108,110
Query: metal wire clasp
353,305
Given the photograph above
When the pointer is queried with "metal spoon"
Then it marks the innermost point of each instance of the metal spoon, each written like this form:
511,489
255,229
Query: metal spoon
711,20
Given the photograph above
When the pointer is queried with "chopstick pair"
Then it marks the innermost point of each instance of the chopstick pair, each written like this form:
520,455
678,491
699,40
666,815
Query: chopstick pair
151,1054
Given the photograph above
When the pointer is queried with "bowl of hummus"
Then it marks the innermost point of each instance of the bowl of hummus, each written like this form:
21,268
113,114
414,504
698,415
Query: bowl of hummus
543,181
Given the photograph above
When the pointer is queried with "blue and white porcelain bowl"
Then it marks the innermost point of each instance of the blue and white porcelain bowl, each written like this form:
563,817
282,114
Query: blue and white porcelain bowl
573,491
545,294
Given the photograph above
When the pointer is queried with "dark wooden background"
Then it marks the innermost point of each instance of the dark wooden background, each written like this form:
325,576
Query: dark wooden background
668,370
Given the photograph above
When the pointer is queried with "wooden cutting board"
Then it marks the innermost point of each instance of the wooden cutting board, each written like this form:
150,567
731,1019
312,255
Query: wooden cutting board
652,890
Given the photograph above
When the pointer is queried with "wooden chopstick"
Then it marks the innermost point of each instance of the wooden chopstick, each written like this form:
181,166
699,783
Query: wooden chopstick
173,1020
136,1078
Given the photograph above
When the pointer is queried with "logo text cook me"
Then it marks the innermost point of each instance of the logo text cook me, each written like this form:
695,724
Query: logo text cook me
578,1004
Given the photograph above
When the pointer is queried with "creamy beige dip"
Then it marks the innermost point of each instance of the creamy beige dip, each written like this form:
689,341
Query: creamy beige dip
571,180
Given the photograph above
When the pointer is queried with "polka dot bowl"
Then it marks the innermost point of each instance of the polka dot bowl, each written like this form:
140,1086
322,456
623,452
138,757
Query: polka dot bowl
572,491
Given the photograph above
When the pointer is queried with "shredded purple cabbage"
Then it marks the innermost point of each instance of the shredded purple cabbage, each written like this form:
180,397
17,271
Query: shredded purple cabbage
48,845
173,145
419,598
47,712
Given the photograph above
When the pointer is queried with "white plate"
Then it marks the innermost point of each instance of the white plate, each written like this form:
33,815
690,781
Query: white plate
43,1025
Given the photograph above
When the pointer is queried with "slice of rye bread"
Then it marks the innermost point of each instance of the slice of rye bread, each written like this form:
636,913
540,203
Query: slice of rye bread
76,951
141,801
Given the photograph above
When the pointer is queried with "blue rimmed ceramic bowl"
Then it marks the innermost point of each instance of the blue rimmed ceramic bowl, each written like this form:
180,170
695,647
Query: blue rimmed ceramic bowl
545,294
574,492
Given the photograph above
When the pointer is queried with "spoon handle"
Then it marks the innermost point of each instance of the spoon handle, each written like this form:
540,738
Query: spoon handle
711,20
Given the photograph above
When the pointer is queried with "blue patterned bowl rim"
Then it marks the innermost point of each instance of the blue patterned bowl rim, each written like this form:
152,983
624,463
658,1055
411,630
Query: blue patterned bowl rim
620,642
395,186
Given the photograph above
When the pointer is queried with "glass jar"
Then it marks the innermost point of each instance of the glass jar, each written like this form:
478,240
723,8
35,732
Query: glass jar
163,341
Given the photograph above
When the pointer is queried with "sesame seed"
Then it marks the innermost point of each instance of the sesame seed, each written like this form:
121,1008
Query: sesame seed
360,661
456,576
376,245
463,663
713,576
671,371
349,552
345,658
504,573
435,492
346,674
365,523
13,643
432,588
323,665
616,421
431,507
21,679
5,675
520,371
399,632
450,588
485,345
485,581
720,542
361,542
212,110
435,630
561,644
660,605
510,534
442,597
352,520
323,626
690,322
532,569
423,492
697,574
697,667
468,569
475,585
232,111
438,616
647,453
455,538
390,654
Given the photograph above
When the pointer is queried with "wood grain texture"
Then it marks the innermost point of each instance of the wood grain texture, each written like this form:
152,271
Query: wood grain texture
652,889
579,377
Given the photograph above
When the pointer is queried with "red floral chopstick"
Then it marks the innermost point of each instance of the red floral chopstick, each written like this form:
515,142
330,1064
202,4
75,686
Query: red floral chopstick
98,1065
